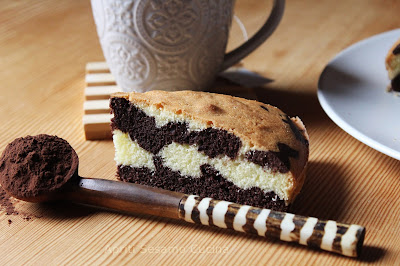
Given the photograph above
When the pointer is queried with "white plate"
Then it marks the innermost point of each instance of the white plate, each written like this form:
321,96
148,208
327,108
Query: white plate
352,91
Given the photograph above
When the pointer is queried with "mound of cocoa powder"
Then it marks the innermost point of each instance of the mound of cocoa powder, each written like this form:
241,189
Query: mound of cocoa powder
35,165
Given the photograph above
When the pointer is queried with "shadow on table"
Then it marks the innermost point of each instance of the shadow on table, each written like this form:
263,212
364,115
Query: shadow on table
369,254
322,196
62,211
372,254
303,104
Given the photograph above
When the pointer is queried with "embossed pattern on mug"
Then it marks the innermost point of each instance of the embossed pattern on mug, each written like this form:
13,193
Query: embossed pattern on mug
163,44
173,25
131,61
119,17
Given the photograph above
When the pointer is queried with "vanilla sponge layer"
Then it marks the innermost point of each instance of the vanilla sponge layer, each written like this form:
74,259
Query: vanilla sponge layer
187,160
163,117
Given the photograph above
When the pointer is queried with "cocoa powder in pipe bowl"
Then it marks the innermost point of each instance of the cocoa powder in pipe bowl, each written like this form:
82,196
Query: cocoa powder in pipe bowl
37,165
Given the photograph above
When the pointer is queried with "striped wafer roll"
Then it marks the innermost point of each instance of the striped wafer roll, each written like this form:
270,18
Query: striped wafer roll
345,239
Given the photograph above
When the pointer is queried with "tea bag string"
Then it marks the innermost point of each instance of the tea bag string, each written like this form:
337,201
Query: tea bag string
242,28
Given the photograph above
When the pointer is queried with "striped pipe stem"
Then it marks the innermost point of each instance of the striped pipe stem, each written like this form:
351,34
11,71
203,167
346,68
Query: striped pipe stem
345,239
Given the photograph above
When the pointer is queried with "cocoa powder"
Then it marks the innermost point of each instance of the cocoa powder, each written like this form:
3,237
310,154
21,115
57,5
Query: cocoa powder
36,165
6,204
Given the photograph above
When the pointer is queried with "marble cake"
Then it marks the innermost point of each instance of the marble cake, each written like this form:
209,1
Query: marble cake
393,67
210,145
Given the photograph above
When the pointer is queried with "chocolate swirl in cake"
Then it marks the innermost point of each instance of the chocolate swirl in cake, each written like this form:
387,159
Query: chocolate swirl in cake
396,50
210,184
212,142
395,83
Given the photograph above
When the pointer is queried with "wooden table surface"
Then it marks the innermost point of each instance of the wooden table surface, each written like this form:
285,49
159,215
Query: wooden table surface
44,46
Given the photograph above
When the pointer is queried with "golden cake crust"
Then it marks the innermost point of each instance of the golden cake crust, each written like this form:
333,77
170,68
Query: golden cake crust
259,125
391,62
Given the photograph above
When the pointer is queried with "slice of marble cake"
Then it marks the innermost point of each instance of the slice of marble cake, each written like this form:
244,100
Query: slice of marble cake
392,64
210,145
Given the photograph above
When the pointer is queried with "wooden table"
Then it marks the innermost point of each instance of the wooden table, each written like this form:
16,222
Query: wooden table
44,46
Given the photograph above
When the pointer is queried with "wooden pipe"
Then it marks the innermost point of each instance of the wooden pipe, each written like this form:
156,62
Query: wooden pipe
345,239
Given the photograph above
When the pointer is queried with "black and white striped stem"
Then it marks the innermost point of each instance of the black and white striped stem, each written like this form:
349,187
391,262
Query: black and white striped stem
345,239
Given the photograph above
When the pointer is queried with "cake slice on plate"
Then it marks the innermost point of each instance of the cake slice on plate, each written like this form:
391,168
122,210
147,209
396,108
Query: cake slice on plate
210,145
393,67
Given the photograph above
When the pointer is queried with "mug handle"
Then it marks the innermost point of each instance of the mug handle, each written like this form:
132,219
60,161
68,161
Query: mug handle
257,39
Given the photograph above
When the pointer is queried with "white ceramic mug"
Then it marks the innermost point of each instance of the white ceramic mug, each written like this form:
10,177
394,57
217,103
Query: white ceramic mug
171,44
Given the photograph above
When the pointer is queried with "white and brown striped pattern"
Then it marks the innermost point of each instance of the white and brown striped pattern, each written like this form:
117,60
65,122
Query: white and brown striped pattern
329,235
